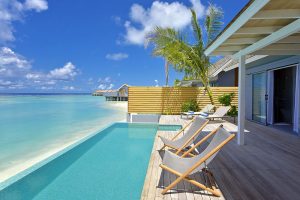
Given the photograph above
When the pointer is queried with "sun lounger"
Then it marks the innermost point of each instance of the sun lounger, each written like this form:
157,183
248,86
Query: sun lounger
219,114
185,167
196,126
204,112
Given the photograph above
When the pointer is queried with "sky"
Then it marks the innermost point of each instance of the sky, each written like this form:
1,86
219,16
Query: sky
85,45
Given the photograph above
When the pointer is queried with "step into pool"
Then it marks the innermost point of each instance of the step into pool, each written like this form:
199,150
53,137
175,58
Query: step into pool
111,164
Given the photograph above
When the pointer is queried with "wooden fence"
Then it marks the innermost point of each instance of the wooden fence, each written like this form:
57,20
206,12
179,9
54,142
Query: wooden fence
168,100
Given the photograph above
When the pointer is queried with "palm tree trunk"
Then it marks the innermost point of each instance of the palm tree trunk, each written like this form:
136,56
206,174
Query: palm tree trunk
167,72
209,93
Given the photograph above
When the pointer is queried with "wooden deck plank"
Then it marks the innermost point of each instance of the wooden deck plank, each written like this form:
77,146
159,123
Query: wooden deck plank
267,167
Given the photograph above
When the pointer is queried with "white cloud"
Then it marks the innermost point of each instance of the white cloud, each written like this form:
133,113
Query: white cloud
46,88
104,86
14,10
37,5
11,63
105,83
50,82
67,72
33,76
16,72
90,81
104,80
174,15
156,83
116,56
68,88
110,86
198,7
5,83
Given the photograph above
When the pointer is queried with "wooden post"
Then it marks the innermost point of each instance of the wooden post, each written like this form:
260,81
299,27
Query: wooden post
242,98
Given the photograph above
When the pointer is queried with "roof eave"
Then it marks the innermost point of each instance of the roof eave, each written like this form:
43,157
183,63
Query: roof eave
241,18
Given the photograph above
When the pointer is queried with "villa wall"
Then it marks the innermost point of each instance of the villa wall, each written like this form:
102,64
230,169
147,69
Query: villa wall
226,79
168,100
264,66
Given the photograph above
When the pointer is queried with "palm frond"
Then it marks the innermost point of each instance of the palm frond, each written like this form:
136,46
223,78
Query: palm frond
196,29
213,22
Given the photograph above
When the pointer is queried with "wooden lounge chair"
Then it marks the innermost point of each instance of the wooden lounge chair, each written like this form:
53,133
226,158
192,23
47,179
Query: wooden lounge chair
184,167
220,113
195,128
204,112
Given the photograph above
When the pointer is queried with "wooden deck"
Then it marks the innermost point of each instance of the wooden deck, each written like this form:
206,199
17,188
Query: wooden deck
267,167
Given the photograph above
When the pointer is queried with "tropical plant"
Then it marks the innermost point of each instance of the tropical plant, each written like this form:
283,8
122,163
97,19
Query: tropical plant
176,82
233,112
226,99
190,105
184,56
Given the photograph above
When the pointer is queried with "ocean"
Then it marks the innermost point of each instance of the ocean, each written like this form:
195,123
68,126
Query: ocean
33,127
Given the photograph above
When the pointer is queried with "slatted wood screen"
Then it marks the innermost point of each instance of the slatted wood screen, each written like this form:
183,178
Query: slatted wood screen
168,100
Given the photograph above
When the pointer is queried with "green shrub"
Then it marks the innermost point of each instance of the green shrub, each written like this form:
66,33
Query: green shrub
233,112
226,99
190,105
176,82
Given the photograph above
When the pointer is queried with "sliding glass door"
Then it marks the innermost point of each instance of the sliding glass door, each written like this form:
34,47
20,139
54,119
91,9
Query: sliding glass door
258,97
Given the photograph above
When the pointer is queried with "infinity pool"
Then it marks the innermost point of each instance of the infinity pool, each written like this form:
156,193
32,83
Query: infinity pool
112,164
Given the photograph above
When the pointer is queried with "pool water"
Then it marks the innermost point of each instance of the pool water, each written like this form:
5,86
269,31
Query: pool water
112,164
167,127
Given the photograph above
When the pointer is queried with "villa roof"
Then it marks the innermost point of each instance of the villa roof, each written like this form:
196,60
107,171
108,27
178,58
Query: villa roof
124,85
262,27
102,91
228,63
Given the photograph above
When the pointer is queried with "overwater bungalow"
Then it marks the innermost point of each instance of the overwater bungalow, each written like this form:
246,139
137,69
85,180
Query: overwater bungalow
101,92
121,94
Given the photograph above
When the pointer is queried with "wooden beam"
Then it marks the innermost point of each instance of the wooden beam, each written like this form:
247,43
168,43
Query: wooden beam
257,30
237,24
242,41
223,53
237,41
277,14
290,39
231,48
276,52
280,34
282,47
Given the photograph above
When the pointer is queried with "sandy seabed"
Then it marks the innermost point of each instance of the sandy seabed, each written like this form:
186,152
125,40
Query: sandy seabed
57,147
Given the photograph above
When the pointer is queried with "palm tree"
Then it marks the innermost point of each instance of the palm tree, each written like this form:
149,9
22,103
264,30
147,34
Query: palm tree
183,56
167,72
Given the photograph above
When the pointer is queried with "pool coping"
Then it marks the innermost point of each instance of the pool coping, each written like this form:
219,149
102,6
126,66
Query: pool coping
45,161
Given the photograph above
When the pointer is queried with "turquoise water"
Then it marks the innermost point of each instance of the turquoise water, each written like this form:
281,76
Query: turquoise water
33,125
110,165
167,127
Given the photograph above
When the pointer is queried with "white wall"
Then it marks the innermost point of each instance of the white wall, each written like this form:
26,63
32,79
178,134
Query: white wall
249,97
